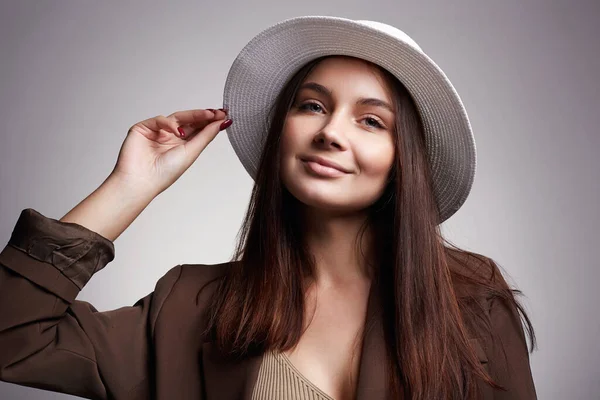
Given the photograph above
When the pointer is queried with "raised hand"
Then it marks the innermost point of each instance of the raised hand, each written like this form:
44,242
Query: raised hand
157,151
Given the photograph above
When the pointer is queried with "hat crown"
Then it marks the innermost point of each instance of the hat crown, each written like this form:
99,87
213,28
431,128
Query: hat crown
391,30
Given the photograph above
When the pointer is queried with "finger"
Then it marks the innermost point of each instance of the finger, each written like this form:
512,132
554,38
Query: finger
157,123
193,117
193,129
165,123
220,113
190,130
198,143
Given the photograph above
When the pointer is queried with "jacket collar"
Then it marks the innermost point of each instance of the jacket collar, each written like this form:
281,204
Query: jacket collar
229,380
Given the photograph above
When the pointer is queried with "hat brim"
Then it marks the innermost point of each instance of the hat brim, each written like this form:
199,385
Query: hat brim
268,61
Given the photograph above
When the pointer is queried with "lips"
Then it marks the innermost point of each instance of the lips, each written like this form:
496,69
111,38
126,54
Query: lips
329,164
323,168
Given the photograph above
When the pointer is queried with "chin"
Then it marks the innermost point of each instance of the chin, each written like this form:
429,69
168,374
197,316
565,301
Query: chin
316,194
323,195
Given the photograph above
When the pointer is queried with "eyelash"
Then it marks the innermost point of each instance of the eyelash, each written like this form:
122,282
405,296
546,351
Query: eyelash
379,124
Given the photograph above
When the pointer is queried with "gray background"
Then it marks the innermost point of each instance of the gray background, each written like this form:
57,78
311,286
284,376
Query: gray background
75,75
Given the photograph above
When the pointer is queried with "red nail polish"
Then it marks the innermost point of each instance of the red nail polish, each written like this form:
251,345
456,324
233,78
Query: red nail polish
181,131
225,124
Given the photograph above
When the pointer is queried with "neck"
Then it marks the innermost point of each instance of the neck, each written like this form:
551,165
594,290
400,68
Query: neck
341,256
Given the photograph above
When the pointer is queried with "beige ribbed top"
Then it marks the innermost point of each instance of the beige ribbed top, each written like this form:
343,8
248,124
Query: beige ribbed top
279,379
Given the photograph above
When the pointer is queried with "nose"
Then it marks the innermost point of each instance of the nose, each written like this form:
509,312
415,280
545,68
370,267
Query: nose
332,133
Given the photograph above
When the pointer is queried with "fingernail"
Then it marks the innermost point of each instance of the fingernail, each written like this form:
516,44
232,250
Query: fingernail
225,124
181,131
211,110
224,110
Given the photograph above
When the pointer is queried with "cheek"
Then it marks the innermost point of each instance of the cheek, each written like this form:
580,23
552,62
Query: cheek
289,145
376,160
290,137
296,138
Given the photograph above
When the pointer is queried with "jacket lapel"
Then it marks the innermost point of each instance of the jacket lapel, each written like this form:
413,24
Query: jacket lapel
228,380
372,373
235,380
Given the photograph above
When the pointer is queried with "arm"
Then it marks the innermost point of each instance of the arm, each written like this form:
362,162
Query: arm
49,340
112,207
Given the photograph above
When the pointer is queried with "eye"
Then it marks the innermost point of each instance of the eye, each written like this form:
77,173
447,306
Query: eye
373,123
311,106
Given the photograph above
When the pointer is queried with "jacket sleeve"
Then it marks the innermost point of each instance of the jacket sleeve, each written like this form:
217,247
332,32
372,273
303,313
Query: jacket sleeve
508,357
51,341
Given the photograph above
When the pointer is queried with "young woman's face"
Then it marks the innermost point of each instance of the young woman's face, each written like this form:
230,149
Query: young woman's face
343,116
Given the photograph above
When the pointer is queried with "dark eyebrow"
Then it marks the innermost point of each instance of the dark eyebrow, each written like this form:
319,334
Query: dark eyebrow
375,102
362,101
317,88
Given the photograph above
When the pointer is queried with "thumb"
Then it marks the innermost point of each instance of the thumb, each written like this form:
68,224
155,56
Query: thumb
196,144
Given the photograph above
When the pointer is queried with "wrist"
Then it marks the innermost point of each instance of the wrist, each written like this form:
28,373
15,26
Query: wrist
131,188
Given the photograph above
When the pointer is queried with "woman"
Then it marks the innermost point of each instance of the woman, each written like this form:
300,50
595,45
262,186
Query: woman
341,287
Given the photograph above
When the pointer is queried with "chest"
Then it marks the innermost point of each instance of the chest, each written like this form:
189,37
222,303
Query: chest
329,351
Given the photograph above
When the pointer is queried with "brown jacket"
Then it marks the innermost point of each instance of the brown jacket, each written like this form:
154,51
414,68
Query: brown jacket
153,349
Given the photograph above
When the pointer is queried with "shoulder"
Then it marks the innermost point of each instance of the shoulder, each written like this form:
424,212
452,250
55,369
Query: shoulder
191,276
488,303
475,275
469,262
202,274
480,288
184,292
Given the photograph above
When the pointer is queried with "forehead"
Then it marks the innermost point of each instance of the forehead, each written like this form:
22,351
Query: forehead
336,72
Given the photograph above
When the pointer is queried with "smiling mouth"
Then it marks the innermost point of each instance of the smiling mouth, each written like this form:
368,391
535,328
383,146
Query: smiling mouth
321,170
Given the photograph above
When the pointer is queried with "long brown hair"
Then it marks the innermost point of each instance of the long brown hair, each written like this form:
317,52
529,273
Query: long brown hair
259,305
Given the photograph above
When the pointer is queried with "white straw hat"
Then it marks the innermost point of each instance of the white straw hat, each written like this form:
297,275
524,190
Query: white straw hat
272,57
